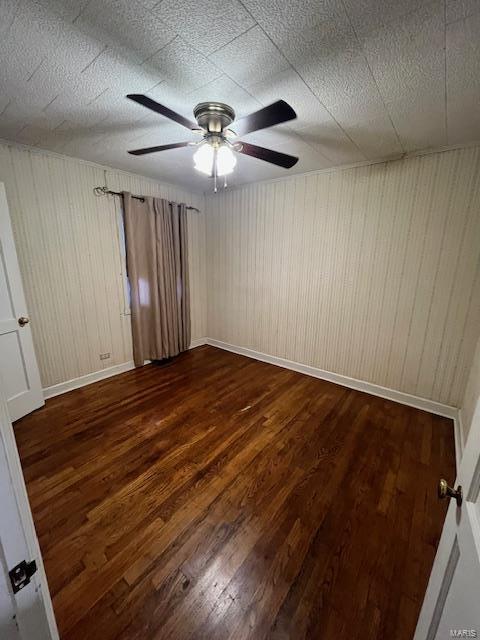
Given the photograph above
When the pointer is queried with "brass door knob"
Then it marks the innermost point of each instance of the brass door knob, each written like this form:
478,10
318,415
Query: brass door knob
22,321
444,491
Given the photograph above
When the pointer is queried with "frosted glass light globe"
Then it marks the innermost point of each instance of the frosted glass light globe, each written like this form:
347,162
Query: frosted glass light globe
226,161
203,159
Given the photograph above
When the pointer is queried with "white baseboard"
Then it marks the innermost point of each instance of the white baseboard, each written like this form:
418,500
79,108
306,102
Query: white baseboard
197,342
352,383
82,381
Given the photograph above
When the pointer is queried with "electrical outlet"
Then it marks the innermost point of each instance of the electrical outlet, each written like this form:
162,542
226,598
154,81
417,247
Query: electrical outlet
104,356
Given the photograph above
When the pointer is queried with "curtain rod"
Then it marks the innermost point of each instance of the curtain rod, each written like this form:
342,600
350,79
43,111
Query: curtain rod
104,191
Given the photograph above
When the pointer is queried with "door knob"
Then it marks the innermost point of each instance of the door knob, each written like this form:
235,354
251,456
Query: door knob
22,321
444,491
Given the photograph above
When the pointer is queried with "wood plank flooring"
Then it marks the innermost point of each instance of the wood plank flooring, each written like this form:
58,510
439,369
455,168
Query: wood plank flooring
219,497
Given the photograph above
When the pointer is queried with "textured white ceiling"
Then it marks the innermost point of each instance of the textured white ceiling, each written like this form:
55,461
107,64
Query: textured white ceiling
369,79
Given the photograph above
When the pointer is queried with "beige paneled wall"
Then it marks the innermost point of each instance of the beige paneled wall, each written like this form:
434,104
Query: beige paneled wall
371,272
69,253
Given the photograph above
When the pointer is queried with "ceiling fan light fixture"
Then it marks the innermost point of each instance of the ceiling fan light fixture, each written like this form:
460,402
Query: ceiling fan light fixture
226,161
203,159
208,156
216,153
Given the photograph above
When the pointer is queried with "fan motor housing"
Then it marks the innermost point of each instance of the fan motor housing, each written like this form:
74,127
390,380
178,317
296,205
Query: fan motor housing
214,116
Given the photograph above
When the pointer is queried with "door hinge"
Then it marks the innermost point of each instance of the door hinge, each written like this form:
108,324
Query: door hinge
20,574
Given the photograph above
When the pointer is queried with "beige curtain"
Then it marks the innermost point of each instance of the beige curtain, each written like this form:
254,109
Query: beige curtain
157,265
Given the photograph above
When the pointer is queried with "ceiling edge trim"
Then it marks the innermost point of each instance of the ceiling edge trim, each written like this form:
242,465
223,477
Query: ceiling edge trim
354,165
195,192
90,163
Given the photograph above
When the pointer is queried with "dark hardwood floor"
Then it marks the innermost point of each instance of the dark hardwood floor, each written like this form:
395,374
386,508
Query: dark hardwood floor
219,497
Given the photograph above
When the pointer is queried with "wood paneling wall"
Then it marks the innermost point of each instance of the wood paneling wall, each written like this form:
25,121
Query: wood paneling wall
69,253
371,272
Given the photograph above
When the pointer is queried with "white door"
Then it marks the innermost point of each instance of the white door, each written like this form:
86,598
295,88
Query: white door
26,614
18,364
8,625
451,608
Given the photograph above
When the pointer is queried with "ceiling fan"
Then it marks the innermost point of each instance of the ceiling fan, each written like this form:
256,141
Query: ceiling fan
215,155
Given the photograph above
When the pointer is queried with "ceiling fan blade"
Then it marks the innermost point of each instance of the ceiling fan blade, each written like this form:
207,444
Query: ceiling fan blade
145,101
269,155
162,147
275,113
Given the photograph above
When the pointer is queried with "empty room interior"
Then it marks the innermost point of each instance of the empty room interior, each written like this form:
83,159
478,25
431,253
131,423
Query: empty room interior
240,319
